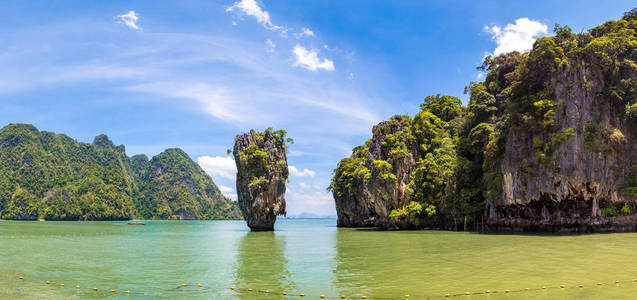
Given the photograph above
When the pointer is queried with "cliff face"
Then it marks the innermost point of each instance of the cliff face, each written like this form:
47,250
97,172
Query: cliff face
583,177
262,172
586,183
369,201
546,143
50,176
399,178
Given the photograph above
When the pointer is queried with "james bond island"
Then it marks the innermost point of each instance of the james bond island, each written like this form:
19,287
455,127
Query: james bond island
262,172
547,142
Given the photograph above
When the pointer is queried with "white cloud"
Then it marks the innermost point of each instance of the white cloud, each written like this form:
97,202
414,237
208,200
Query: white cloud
129,19
295,153
284,32
516,37
252,8
305,172
225,189
307,186
304,32
222,166
320,203
479,75
269,46
307,31
308,59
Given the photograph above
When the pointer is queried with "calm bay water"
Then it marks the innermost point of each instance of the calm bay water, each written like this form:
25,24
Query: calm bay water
305,256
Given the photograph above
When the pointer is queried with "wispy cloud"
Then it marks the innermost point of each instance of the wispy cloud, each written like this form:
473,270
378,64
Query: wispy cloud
308,59
95,71
307,186
269,46
516,37
252,8
227,191
8,86
301,173
70,74
222,166
129,20
214,100
295,153
228,78
304,32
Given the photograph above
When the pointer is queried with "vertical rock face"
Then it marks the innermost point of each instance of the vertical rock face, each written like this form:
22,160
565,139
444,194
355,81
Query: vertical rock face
262,172
584,177
586,183
368,202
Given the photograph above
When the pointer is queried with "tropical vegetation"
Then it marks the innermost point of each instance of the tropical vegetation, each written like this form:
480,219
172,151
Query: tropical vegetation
51,176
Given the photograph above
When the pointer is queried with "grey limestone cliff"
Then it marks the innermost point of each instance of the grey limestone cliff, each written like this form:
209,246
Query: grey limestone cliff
370,204
586,183
262,172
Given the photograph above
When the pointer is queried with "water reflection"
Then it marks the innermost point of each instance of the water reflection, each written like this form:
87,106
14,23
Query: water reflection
354,264
378,264
261,264
303,256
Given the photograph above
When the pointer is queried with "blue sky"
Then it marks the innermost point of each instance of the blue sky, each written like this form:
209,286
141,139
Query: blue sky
192,74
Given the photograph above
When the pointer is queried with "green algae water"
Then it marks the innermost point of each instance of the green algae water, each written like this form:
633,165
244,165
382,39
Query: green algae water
312,257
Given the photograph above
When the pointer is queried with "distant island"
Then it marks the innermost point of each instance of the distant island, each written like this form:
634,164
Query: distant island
309,216
547,142
51,176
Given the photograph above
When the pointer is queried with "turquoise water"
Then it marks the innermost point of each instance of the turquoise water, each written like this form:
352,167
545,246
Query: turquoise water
312,257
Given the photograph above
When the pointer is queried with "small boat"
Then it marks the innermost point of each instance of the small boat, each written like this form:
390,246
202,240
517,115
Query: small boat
137,223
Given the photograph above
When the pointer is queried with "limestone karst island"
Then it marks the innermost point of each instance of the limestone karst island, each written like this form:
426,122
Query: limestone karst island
259,149
262,172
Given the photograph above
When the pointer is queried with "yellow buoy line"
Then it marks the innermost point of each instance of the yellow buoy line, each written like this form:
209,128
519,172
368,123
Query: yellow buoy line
199,288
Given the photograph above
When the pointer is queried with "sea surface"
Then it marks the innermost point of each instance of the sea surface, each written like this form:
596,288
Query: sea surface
311,257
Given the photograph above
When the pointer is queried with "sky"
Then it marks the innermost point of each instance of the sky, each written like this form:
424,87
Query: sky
192,74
